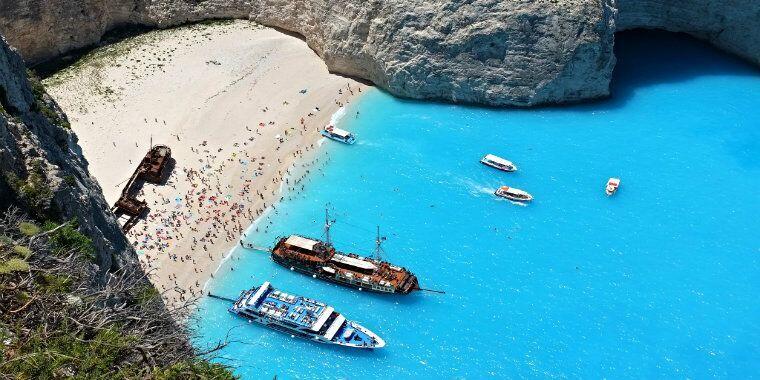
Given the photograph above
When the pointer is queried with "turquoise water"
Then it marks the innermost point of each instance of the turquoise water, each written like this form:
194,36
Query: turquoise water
659,281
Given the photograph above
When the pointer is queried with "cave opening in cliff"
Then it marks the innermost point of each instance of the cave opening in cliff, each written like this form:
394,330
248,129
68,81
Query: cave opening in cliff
49,67
647,57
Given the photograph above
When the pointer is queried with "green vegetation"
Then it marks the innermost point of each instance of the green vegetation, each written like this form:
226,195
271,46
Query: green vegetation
194,369
70,180
68,238
146,293
64,355
60,354
22,251
54,283
41,105
34,190
58,321
13,265
28,229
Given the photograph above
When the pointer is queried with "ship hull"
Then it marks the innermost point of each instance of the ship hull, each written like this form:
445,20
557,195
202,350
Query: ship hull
316,273
273,325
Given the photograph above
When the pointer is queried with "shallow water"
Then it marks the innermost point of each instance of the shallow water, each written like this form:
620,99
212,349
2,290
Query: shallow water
659,281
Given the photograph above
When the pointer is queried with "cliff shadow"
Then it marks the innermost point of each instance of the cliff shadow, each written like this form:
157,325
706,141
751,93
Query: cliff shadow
652,57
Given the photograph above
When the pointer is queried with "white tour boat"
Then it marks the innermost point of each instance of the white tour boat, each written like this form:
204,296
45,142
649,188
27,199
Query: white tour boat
498,163
612,186
301,317
338,134
513,194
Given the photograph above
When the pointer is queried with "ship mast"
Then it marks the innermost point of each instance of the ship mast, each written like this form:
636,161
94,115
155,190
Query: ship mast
379,246
328,224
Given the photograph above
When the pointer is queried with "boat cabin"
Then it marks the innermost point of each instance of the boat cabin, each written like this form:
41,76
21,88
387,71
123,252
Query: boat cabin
498,163
338,134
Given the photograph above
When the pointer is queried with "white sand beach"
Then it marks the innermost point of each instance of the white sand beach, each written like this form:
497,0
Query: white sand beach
239,105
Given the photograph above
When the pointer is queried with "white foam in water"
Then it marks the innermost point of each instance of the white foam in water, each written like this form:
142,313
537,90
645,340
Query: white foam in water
335,118
521,204
475,188
248,231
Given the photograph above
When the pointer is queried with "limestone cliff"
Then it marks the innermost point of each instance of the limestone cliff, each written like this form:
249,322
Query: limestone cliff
496,52
42,170
732,25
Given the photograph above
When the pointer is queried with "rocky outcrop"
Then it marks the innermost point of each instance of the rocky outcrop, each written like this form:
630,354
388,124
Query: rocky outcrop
42,170
491,52
732,25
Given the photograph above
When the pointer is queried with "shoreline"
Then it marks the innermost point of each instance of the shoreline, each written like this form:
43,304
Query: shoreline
241,107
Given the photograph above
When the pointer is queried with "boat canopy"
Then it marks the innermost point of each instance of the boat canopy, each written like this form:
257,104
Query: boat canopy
301,242
259,293
338,132
336,325
353,262
322,319
513,191
497,159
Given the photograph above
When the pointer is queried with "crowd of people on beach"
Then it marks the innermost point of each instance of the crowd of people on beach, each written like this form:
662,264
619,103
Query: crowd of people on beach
209,201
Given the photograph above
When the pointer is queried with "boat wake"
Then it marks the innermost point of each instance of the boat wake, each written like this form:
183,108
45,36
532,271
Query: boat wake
477,189
368,144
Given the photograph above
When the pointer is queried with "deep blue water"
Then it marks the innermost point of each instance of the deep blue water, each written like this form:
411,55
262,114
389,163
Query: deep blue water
659,281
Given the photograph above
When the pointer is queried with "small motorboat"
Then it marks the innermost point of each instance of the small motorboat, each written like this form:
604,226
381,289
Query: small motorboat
612,186
513,194
498,163
338,134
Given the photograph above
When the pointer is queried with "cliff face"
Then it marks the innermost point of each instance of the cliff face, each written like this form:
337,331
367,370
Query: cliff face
732,25
482,51
42,170
491,52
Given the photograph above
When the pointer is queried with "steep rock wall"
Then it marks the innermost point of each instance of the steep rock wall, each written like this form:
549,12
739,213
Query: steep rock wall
482,51
42,170
495,52
732,25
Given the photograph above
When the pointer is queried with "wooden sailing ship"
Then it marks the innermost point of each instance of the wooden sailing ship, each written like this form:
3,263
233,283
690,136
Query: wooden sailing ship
321,260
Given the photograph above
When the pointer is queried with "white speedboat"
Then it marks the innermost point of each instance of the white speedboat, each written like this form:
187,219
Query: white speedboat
513,194
612,186
302,317
498,163
339,135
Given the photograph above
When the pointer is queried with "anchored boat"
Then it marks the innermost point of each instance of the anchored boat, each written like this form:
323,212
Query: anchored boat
612,186
321,260
498,163
513,194
301,317
339,135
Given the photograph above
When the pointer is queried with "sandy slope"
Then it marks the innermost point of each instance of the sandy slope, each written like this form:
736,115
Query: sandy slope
227,98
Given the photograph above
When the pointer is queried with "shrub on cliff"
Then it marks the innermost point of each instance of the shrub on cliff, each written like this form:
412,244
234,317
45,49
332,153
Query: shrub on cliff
58,321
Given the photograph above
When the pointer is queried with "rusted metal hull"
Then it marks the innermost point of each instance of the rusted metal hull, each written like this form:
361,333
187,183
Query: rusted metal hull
151,169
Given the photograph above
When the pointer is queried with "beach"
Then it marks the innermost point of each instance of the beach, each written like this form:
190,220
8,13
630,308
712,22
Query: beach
240,106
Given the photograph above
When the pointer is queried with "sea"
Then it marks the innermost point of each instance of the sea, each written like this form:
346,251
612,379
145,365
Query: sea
659,281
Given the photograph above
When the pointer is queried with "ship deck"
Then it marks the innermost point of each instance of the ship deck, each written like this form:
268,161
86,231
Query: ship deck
294,309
